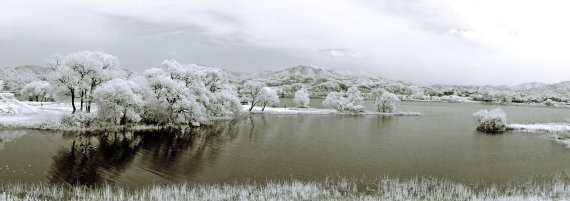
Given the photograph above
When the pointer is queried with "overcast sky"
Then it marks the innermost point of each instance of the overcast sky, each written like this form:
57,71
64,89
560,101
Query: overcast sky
432,41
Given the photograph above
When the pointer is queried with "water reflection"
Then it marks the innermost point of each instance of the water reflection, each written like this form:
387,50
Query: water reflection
102,157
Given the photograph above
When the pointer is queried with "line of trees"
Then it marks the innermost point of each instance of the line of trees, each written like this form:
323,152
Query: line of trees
170,94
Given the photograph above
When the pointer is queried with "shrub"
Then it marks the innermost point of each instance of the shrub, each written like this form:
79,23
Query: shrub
78,120
550,102
494,120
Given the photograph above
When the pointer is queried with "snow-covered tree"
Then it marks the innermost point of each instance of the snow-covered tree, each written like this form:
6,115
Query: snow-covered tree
169,94
491,120
387,102
66,83
354,96
336,100
188,93
119,101
1,85
268,97
38,90
78,74
251,91
301,98
350,101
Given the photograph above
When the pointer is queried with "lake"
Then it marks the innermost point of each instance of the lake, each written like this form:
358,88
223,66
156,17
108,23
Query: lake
440,143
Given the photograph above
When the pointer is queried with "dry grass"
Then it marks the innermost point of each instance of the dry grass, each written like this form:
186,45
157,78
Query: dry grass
551,188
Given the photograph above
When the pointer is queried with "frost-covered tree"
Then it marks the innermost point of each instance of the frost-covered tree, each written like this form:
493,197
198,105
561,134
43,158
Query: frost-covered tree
350,101
38,90
91,68
78,74
336,100
251,91
387,102
169,95
66,83
119,101
268,97
354,96
188,93
301,98
1,85
491,120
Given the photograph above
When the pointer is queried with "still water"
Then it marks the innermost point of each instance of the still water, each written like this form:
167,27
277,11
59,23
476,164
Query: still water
440,143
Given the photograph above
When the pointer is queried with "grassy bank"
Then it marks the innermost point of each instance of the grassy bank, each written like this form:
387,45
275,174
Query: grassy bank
552,188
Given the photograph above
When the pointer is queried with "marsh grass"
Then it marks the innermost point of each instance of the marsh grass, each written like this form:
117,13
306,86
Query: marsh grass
545,188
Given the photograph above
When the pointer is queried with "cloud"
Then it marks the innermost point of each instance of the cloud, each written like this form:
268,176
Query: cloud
423,41
340,53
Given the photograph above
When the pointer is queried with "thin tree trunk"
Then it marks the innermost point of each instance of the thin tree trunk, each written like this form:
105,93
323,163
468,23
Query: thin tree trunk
89,100
81,96
252,104
124,118
263,109
73,101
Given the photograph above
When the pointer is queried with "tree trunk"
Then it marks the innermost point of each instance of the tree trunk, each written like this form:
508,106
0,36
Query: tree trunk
263,109
81,96
252,104
73,101
89,100
124,118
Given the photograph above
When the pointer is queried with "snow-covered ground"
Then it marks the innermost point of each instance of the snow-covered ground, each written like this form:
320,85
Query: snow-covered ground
560,132
542,128
315,111
14,113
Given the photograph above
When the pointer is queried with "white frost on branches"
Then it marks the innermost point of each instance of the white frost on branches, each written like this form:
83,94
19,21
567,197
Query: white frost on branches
351,101
385,101
119,101
268,97
491,120
38,90
302,99
252,90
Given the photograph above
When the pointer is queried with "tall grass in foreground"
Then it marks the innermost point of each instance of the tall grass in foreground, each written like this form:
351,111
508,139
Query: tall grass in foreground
552,188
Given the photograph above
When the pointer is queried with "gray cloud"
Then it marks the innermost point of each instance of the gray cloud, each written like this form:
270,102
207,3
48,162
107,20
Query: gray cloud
431,41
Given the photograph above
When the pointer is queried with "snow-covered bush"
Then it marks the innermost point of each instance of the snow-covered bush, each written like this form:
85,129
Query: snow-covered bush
550,102
491,120
119,101
78,120
1,85
38,90
302,99
386,102
268,97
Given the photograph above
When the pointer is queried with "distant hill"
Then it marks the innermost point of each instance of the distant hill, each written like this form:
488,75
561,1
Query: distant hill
559,90
320,81
528,86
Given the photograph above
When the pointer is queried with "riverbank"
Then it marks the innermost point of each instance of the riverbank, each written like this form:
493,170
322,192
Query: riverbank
554,188
317,111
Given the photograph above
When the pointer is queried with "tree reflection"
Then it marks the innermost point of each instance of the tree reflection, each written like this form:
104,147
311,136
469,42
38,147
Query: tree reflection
96,158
